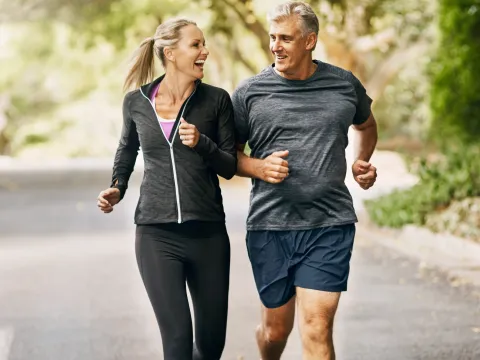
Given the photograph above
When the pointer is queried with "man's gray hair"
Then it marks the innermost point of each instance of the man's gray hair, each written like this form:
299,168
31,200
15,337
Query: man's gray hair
304,12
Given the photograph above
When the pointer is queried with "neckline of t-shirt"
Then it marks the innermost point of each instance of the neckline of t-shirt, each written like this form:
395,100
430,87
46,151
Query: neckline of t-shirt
290,81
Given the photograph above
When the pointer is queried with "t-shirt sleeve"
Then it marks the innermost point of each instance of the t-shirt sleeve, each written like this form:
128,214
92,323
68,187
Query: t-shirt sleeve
364,102
240,114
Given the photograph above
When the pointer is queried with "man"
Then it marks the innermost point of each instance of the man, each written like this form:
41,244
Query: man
295,116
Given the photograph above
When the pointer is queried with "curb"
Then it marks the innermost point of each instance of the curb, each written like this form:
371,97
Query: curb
459,258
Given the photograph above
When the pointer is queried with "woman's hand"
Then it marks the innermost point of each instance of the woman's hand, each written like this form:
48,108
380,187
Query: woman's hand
107,199
188,133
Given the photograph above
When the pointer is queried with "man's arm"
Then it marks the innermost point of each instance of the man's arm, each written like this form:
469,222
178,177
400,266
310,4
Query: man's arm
246,166
364,173
272,169
366,136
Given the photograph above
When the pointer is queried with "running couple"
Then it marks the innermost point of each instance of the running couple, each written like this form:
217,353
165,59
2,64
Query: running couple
295,116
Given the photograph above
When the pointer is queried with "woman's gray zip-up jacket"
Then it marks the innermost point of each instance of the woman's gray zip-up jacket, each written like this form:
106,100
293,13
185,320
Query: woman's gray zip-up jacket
179,183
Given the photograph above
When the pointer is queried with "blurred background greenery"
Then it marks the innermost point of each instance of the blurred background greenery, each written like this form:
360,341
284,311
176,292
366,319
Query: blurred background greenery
62,66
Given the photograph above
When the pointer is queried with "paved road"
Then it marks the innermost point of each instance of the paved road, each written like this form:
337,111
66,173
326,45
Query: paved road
70,289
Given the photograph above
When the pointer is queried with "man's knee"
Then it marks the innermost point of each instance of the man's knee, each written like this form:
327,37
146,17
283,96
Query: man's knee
317,311
317,328
277,323
275,332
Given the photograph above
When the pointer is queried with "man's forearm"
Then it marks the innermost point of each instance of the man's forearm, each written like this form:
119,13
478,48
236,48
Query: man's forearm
365,142
247,166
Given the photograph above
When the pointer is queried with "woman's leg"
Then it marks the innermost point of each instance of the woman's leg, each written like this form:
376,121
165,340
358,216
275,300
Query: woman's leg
162,269
208,275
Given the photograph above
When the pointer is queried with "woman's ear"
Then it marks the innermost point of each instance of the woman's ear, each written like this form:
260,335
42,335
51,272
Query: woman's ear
168,53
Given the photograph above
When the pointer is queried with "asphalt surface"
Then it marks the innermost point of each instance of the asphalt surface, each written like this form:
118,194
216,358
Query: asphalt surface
70,288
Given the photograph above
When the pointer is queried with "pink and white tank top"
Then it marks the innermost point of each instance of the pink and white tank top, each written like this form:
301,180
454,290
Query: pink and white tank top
166,124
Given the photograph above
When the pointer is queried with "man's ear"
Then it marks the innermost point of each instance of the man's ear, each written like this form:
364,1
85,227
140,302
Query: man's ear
311,41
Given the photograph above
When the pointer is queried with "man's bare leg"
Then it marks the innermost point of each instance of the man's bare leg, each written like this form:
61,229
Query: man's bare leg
272,334
316,316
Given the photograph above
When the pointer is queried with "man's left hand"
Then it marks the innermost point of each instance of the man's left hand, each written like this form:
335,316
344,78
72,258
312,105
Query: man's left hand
364,174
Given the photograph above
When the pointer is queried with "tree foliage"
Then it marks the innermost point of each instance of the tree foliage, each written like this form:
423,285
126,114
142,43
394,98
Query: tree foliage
455,99
448,190
89,41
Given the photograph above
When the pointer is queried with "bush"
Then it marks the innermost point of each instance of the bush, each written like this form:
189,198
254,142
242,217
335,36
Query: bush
453,176
455,111
461,218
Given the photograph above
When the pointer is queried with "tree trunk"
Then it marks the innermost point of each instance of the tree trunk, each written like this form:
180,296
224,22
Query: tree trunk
4,144
4,140
339,54
252,23
387,69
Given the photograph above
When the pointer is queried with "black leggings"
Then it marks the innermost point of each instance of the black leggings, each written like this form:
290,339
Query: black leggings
196,253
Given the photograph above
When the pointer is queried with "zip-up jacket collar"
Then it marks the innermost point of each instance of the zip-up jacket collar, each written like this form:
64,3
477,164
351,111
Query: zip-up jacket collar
148,88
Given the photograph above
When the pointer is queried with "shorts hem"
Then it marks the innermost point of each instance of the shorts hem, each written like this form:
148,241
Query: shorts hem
332,289
335,289
277,304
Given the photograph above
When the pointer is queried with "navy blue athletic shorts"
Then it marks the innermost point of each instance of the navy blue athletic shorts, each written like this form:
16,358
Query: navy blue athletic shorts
316,259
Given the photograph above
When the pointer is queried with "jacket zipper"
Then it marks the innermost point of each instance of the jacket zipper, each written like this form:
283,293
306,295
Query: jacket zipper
170,144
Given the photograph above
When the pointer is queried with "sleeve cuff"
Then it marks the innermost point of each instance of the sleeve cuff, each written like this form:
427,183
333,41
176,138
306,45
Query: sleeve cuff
120,186
203,146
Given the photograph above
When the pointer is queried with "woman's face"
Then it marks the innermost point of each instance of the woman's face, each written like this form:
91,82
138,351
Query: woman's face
190,53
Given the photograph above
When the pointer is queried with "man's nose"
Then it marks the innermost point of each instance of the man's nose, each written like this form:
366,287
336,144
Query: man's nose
276,46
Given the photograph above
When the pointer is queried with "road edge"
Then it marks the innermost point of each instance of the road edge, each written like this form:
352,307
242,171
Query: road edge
459,258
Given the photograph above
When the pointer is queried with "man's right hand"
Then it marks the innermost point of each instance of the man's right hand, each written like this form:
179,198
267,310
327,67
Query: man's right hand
107,199
274,168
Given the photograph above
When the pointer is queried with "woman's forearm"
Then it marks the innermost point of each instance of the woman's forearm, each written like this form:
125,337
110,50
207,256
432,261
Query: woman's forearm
222,162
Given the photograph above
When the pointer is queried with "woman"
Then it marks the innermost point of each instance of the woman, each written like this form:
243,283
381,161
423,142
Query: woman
185,130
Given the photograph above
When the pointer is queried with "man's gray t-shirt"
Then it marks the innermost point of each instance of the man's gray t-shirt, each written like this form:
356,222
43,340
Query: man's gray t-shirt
309,118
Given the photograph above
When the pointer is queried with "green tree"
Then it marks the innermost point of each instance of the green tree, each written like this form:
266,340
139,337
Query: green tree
56,53
373,38
448,188
455,98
